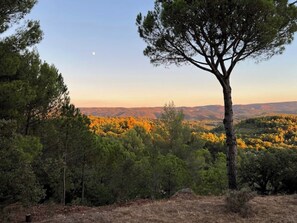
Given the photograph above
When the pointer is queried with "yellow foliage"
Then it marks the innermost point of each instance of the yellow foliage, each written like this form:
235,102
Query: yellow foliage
118,125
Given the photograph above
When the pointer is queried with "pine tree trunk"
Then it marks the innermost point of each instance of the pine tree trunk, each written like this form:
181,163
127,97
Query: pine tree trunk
83,180
27,123
65,166
230,137
64,184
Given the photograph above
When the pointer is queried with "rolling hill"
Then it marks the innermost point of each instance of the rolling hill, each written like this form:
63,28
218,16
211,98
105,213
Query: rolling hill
209,112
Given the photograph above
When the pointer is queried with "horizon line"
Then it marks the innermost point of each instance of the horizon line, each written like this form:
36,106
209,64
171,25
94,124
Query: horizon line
255,103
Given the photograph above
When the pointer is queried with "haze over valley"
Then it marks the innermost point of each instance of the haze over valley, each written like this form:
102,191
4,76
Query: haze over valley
210,112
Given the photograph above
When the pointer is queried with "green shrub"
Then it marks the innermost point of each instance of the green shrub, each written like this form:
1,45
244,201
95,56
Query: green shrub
237,201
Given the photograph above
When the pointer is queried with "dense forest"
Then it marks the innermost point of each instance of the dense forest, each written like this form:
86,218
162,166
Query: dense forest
51,152
69,158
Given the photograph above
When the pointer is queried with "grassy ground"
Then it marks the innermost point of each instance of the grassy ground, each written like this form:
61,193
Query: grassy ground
183,208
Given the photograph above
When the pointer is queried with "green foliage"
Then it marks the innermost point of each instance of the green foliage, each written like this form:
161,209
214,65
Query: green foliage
12,11
17,151
237,201
48,151
176,31
47,87
174,134
69,146
14,96
270,171
211,173
133,142
18,181
29,147
172,173
214,36
30,92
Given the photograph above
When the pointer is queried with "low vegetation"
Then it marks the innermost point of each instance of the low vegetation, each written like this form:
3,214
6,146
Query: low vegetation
237,202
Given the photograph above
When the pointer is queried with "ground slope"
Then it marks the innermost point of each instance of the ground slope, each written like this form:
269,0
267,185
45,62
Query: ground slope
177,209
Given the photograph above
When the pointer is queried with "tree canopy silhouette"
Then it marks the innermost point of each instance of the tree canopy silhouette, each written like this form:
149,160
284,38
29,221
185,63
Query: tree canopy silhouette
11,13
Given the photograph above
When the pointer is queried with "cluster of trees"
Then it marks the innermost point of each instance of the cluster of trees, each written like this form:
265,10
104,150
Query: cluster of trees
265,132
118,125
270,171
268,132
49,151
40,129
203,152
155,162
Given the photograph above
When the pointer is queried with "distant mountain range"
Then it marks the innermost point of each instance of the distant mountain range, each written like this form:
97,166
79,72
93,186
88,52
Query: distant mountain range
209,112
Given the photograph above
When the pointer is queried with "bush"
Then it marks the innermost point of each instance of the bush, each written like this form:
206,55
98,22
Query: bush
213,177
269,171
237,201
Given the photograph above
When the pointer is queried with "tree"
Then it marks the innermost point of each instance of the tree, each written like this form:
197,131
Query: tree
173,174
68,148
14,93
12,11
270,170
17,153
47,86
174,133
214,36
30,90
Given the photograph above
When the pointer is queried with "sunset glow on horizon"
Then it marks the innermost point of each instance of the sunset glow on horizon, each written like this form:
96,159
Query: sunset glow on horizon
97,49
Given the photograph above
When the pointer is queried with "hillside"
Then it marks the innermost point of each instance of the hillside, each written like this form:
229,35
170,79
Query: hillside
210,112
206,209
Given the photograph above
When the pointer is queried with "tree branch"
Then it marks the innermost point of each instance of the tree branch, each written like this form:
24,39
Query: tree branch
188,58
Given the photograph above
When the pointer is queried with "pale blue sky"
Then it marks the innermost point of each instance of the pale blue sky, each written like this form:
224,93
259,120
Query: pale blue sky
119,75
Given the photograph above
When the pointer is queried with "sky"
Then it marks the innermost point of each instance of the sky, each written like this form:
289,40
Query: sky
96,47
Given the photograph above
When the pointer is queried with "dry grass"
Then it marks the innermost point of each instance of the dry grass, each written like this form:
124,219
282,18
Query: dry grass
183,208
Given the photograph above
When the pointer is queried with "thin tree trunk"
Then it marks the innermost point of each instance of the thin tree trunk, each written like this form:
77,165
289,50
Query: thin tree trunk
230,137
64,183
65,165
83,180
27,123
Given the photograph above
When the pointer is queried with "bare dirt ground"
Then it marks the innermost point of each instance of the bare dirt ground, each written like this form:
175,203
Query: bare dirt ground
181,208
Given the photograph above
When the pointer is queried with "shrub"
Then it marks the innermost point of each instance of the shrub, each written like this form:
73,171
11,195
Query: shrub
237,201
